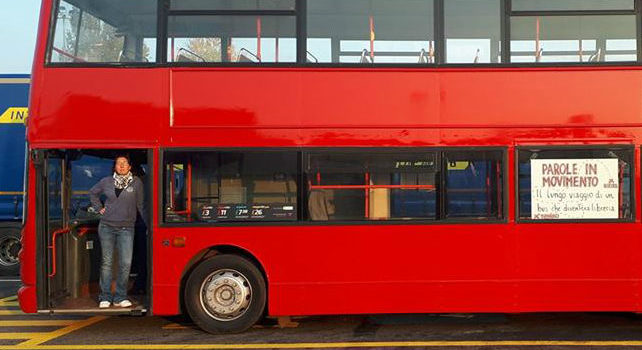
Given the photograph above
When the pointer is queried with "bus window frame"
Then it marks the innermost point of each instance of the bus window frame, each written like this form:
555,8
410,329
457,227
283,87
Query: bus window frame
619,146
506,13
302,219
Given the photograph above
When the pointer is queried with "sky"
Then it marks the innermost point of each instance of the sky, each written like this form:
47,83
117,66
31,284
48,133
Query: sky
18,27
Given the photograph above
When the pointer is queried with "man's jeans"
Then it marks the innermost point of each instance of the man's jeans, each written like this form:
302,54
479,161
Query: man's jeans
123,238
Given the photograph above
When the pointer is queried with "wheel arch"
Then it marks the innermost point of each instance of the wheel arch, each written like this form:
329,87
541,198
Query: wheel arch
218,250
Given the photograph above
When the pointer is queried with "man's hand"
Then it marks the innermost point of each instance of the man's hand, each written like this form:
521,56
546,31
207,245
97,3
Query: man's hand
102,211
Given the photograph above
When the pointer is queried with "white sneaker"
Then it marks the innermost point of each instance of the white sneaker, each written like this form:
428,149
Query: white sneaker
124,303
104,304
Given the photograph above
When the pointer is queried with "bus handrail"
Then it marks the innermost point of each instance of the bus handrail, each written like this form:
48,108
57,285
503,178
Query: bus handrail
67,54
84,230
54,236
371,187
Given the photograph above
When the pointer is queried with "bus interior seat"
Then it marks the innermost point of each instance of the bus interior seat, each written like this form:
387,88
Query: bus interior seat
426,56
539,54
247,57
321,204
185,55
183,58
365,57
310,58
423,56
597,56
125,57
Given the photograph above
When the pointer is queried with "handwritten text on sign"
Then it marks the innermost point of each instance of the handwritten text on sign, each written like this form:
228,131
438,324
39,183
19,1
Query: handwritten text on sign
574,189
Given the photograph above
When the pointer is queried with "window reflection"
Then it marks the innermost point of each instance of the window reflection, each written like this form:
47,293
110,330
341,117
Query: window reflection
474,184
573,39
386,185
232,4
370,31
105,31
230,186
250,39
472,31
383,186
577,5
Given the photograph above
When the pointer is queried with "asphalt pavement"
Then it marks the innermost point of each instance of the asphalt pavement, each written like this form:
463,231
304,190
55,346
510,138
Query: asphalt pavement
447,331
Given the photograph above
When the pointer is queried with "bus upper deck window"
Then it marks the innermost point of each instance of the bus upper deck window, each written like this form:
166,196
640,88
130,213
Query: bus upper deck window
108,31
367,32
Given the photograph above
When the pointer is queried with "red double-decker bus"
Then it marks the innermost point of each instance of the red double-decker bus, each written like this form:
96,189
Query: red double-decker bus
307,157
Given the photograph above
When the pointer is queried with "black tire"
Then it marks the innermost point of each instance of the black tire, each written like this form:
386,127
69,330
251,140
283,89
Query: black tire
9,248
251,293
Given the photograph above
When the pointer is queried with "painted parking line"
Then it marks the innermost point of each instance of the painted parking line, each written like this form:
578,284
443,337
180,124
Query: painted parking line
10,306
11,312
9,298
34,339
21,335
35,323
38,340
45,337
175,326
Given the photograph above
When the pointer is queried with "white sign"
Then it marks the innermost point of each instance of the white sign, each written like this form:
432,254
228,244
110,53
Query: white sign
574,189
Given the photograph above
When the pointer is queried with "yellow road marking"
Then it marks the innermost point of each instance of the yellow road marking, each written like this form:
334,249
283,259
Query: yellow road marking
45,337
329,345
36,339
10,312
9,303
11,298
174,326
36,323
21,335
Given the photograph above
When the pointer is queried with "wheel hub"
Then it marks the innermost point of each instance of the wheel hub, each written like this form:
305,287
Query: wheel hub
226,294
9,248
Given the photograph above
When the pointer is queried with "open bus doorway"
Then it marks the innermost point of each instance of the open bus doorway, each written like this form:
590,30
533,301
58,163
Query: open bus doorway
68,231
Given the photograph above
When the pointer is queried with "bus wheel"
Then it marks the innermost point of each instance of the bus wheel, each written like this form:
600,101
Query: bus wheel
9,248
225,294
